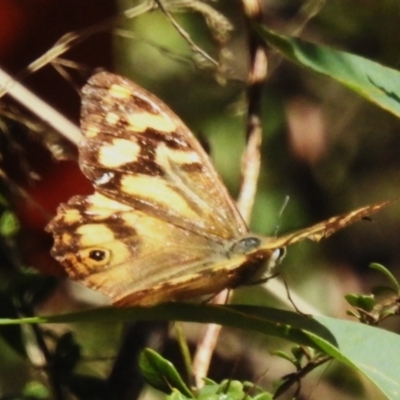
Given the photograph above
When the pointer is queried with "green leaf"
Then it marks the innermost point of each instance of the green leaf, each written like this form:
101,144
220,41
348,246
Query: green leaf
161,373
12,335
284,324
9,224
231,390
177,395
366,302
383,270
373,81
283,354
368,349
36,390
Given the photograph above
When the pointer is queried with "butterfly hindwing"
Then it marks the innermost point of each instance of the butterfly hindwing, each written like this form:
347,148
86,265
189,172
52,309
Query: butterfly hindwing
127,254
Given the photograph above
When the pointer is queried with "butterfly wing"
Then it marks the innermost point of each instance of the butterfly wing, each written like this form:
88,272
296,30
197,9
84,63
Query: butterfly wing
160,226
134,258
159,223
138,152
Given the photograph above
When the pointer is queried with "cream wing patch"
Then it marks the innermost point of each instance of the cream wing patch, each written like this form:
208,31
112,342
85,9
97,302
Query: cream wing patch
140,122
119,92
157,189
166,156
118,152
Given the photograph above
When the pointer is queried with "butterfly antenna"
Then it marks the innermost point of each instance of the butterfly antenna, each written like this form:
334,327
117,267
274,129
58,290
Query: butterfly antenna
280,213
289,296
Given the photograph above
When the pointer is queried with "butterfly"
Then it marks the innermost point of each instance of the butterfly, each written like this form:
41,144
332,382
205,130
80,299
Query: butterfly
160,226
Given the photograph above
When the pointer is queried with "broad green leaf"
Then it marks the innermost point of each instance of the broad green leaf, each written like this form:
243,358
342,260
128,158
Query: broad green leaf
375,82
274,322
372,351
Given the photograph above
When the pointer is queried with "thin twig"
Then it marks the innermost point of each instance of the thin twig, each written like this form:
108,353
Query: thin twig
258,72
207,343
296,377
251,162
184,34
184,59
308,11
250,167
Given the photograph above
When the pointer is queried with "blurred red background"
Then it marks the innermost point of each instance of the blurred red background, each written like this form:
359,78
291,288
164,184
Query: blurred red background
27,30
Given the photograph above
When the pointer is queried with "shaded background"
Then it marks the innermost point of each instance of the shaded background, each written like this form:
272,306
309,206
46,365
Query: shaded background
324,146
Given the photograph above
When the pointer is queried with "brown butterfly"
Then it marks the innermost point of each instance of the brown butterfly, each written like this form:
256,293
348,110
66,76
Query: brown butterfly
161,225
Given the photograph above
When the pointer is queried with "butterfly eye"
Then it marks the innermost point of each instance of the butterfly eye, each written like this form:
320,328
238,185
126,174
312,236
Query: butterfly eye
245,245
97,255
96,258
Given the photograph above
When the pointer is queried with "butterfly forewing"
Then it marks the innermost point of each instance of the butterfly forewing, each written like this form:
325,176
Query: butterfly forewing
139,152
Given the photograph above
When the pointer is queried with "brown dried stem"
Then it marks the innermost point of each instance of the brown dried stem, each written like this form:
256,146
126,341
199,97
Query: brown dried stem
250,168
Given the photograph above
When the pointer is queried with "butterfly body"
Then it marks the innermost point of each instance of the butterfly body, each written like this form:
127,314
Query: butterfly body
160,225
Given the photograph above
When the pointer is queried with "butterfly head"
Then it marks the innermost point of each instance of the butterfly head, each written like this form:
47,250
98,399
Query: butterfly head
257,248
